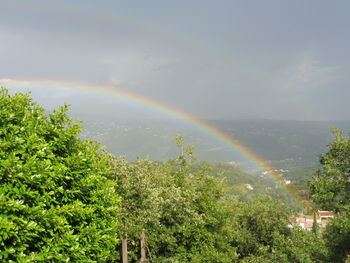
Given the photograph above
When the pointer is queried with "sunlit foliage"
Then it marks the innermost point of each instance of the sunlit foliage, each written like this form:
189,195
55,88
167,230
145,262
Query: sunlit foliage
56,203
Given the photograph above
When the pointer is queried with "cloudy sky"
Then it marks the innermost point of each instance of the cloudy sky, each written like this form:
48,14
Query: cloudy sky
219,59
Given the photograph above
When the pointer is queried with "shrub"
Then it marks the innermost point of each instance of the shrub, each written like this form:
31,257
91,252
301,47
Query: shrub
56,203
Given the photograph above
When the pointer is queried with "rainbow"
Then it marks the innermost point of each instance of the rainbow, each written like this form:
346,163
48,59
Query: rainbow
246,152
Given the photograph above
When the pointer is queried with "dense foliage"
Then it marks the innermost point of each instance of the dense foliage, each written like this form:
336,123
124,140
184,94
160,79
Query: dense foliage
190,216
184,214
330,188
337,237
56,203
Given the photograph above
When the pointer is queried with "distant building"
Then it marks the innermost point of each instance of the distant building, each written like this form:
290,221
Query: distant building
306,222
325,217
287,181
233,163
249,186
322,219
325,214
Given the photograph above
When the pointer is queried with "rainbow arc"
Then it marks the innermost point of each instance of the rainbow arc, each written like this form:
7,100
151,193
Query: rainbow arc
210,129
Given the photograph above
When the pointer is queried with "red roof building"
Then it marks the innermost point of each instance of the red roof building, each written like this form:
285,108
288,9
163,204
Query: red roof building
325,214
322,219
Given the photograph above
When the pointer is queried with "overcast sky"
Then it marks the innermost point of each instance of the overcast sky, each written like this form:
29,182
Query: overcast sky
214,59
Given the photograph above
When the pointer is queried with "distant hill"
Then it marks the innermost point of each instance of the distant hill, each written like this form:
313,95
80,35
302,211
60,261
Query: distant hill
246,186
287,144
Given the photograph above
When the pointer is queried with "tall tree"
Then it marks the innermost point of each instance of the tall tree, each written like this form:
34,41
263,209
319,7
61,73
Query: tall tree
330,188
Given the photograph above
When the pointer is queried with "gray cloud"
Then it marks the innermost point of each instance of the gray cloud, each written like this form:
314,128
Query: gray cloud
228,59
313,73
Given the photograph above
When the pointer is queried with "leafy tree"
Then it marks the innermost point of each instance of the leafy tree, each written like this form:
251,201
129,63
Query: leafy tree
331,190
337,236
266,235
56,203
184,213
330,187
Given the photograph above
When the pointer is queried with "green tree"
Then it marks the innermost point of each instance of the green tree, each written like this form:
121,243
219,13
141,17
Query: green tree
56,203
260,220
265,234
337,236
330,188
183,212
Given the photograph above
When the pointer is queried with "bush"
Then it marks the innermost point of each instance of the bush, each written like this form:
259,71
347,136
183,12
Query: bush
56,203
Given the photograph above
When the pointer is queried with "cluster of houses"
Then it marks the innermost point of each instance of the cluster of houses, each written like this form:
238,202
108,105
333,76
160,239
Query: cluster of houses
280,173
322,218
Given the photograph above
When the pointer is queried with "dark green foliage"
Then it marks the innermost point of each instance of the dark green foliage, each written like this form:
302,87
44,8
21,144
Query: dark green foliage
330,186
260,221
56,203
331,190
265,234
337,236
300,246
